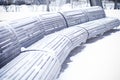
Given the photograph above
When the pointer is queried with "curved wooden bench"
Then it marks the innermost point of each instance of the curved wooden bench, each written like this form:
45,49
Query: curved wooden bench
43,59
25,65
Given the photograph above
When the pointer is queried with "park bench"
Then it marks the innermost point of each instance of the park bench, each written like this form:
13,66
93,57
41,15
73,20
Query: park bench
43,42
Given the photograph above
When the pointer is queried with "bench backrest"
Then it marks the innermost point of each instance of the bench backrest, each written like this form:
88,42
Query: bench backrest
31,29
28,30
52,22
94,13
75,17
9,45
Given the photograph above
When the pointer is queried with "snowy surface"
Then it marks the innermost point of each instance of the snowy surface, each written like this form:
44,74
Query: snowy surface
98,59
113,13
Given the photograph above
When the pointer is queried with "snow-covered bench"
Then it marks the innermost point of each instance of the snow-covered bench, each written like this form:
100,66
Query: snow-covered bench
42,59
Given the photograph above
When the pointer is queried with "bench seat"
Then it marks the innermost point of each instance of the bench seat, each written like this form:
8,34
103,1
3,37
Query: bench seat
100,26
31,65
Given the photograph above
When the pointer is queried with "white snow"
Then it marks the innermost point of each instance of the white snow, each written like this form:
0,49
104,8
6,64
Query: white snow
98,59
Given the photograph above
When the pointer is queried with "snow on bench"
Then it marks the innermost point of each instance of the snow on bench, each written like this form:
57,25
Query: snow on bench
9,46
31,65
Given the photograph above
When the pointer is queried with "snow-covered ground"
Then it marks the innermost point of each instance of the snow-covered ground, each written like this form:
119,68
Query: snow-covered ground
98,59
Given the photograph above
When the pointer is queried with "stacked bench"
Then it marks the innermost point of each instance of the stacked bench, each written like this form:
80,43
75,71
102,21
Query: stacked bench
44,54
